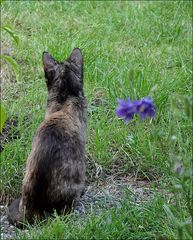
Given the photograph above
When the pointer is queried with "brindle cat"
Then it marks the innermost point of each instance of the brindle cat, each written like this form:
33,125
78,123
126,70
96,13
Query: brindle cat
55,172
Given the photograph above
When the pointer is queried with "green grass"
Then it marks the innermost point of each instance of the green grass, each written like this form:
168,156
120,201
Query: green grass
127,221
130,49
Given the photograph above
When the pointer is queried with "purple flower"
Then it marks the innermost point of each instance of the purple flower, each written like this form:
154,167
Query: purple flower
145,107
126,109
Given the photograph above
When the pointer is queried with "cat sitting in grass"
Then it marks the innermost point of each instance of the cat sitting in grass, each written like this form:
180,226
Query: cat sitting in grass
55,171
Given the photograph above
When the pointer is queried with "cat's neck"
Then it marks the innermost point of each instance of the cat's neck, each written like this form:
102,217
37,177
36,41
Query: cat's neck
68,107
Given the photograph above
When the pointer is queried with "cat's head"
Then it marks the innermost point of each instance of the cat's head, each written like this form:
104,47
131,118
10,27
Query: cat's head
64,79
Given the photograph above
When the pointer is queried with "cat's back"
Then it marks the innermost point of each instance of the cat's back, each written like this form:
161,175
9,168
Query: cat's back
59,153
60,132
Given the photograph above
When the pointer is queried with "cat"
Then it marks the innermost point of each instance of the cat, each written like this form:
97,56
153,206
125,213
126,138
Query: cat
55,173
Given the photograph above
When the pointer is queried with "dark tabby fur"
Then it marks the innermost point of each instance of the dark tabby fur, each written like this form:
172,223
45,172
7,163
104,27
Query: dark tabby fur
55,172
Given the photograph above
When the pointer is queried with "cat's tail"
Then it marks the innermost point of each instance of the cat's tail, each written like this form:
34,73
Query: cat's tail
15,217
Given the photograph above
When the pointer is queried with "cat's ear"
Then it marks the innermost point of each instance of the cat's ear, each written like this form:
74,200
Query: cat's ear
76,70
77,59
48,62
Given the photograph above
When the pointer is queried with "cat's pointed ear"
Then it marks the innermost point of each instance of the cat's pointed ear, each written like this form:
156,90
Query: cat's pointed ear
76,58
48,62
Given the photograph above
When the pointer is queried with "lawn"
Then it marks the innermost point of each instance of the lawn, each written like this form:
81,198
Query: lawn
131,49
